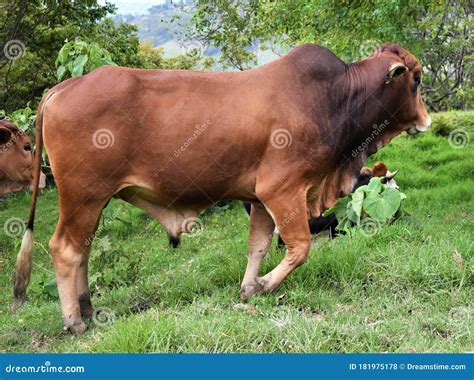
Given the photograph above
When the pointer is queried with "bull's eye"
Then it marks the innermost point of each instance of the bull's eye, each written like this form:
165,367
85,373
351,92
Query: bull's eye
417,83
27,147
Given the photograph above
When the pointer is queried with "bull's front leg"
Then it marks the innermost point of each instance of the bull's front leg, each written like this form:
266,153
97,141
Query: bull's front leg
290,214
260,239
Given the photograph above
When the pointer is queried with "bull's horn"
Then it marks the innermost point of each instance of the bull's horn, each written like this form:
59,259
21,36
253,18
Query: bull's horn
391,175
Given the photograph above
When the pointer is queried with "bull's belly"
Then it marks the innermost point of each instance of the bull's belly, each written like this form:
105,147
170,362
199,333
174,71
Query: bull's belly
177,206
179,190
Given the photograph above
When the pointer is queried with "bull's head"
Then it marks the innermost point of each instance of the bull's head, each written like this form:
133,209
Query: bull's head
16,159
404,81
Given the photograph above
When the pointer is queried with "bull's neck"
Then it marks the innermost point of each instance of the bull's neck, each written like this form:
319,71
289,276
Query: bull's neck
359,116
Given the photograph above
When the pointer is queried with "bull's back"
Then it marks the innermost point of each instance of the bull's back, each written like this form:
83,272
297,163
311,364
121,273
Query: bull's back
161,129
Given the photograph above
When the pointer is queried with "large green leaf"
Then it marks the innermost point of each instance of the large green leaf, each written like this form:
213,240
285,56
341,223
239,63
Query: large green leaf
51,288
60,72
63,54
339,208
358,200
95,56
375,185
344,224
78,65
382,206
352,214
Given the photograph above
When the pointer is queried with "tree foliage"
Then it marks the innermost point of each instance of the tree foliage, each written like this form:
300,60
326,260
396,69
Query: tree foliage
39,28
77,56
34,31
437,32
149,57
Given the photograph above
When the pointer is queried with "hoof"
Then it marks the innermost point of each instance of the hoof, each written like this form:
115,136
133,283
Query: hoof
248,290
77,328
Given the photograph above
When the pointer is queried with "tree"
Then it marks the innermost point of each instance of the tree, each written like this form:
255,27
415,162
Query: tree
148,57
437,32
33,31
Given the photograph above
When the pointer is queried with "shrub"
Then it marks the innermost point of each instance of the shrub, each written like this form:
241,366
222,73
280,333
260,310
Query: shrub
376,201
446,122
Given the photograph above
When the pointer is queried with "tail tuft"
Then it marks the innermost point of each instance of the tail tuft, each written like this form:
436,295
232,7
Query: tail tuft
24,264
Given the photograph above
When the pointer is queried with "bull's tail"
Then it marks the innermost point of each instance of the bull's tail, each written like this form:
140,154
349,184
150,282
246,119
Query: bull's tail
24,261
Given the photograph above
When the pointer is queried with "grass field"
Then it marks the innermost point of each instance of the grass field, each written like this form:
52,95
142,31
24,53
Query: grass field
409,288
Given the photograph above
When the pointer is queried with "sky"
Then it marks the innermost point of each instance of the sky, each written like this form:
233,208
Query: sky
133,6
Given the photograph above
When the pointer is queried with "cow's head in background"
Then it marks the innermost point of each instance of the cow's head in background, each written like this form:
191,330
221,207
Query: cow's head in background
16,159
379,169
403,81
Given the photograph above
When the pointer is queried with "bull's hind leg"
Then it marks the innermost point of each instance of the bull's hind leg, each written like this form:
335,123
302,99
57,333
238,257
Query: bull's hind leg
70,247
290,215
84,296
260,239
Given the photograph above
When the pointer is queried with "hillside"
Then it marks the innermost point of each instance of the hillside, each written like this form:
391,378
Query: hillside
165,27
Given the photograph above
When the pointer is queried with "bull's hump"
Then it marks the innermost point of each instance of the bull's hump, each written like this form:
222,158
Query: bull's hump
316,59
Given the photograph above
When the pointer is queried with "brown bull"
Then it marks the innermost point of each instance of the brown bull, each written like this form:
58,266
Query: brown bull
281,136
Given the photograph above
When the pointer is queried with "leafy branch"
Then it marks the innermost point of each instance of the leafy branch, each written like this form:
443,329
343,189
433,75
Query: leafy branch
374,200
78,56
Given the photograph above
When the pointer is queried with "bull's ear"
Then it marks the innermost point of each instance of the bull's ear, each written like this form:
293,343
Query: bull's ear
5,135
395,70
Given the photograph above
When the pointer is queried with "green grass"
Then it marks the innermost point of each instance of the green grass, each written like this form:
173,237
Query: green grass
407,289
